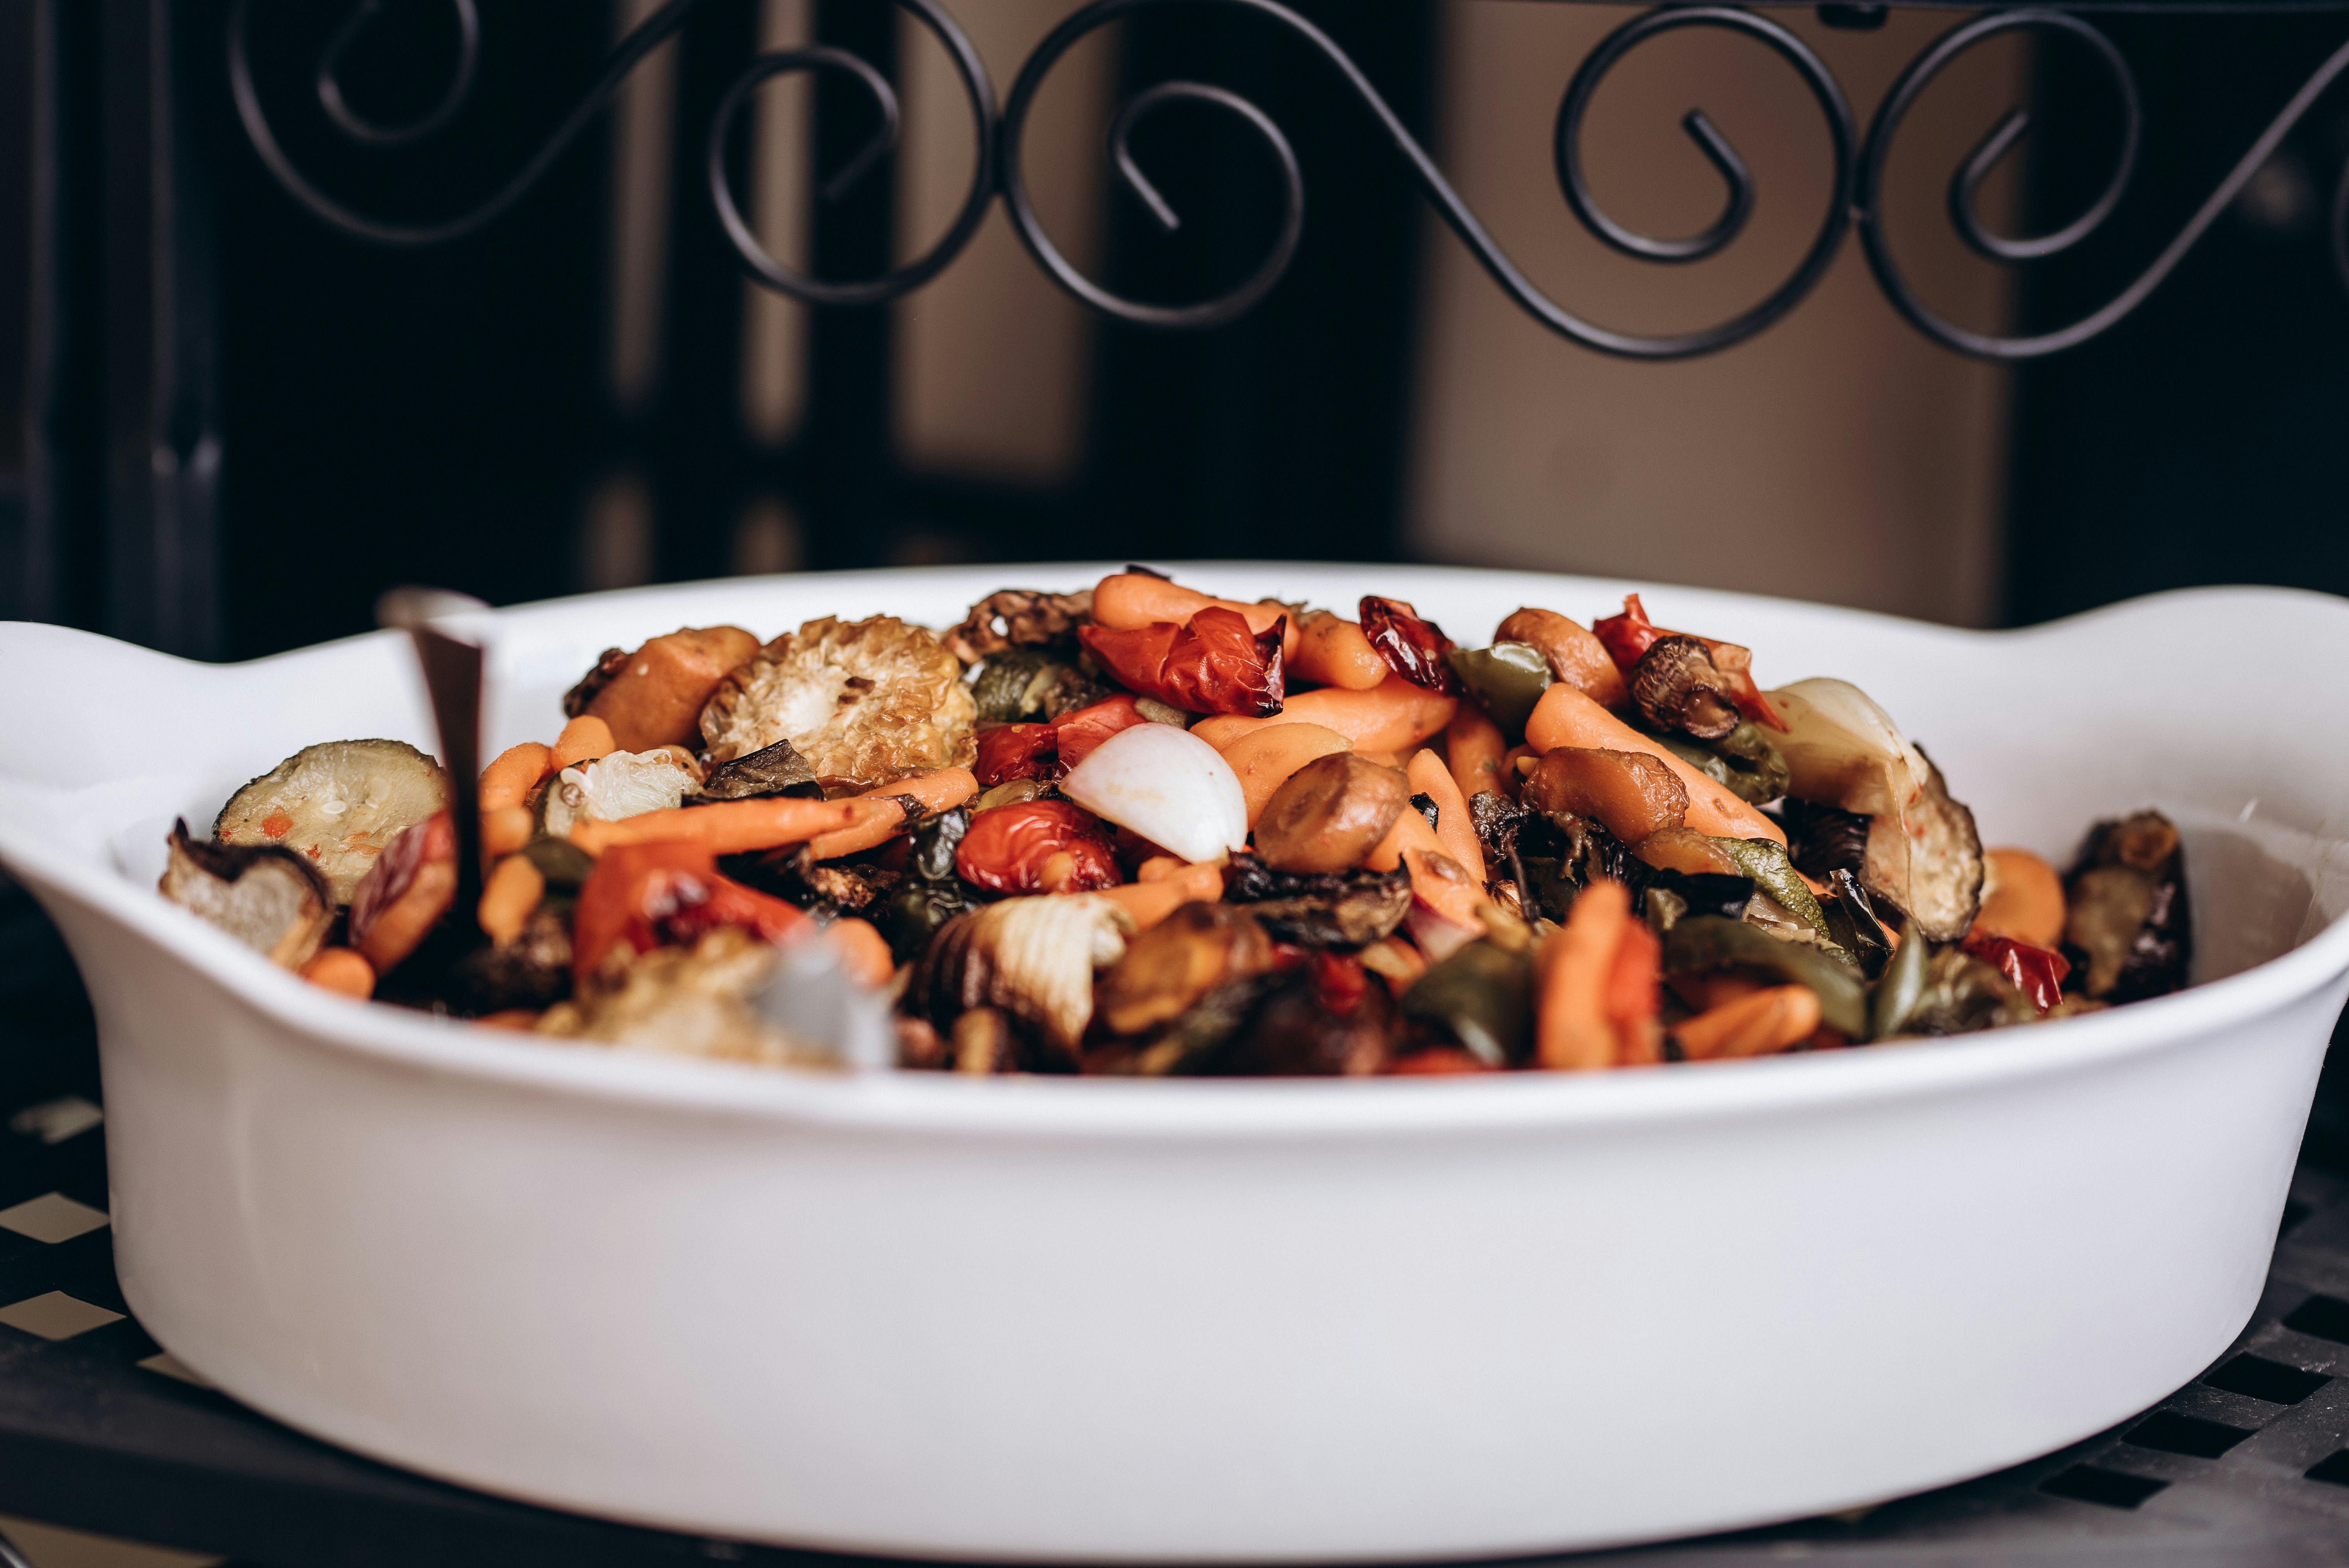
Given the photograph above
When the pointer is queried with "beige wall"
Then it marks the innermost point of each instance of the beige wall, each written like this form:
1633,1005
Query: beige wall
1840,455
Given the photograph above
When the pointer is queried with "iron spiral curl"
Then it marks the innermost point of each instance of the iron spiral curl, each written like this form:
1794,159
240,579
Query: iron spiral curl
999,138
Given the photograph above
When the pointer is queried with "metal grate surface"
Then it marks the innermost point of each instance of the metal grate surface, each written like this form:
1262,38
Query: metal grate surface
100,1431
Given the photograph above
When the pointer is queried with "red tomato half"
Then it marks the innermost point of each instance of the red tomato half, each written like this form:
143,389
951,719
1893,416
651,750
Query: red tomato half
1036,846
1016,751
1214,665
666,895
1079,732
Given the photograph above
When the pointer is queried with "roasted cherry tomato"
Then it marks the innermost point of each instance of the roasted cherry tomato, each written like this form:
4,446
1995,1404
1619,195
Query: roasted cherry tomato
1630,635
1214,665
665,894
1078,733
1016,751
2037,973
1412,649
1036,846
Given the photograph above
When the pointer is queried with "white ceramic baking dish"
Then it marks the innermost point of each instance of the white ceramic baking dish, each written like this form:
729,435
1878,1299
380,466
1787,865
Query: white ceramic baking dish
1116,1320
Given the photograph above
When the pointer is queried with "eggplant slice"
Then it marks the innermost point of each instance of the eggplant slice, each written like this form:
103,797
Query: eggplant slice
339,803
268,898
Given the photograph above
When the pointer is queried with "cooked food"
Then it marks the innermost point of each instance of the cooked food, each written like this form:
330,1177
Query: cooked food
340,803
863,701
1140,831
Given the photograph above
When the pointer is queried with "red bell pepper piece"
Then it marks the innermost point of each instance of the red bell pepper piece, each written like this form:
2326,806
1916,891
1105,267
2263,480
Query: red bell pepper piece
1016,751
1413,648
1630,635
1036,846
1078,733
667,894
1214,665
2036,972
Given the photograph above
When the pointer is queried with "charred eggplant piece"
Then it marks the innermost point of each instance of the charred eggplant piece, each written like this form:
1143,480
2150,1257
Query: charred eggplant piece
796,876
532,971
1481,999
2128,929
1824,840
1282,1026
1340,909
268,898
1851,919
1020,618
1194,951
777,769
339,803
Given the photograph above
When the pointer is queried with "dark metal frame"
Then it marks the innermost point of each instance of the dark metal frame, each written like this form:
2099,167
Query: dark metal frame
1859,164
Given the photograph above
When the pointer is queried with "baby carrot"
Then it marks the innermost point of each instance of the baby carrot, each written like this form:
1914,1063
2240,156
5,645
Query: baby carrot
733,826
505,781
1754,1026
1571,1029
341,971
1129,601
864,950
1151,902
584,739
1264,758
1474,746
506,830
1333,651
1413,844
1393,716
509,897
1635,994
2023,899
1565,716
934,789
1457,834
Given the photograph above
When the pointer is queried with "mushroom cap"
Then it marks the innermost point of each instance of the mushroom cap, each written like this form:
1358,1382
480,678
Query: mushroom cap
1677,686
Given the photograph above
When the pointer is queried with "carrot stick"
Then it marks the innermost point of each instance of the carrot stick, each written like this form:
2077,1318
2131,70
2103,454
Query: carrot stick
1768,1020
732,827
506,830
509,897
517,769
584,739
341,971
1129,601
864,950
1571,1031
1413,844
1474,746
1393,716
1151,902
1635,993
1333,651
1565,716
1264,758
1457,834
934,789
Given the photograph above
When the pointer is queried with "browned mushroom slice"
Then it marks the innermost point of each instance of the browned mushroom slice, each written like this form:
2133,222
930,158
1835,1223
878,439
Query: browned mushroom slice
1178,961
1329,813
268,898
654,697
339,804
1676,687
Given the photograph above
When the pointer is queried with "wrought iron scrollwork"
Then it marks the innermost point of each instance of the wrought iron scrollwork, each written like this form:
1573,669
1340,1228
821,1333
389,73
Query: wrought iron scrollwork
1855,199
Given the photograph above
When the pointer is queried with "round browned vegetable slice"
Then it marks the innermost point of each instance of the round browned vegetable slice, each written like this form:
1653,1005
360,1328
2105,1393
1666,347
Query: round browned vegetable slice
1630,793
864,702
654,695
339,804
1330,814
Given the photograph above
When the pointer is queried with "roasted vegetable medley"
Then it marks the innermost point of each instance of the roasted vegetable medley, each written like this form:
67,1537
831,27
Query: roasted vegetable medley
1136,829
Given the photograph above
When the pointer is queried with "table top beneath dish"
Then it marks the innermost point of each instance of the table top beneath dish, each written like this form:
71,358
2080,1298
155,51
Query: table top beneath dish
99,1430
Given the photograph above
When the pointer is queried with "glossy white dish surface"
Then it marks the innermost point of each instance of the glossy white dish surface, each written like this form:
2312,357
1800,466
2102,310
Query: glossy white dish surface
1237,1321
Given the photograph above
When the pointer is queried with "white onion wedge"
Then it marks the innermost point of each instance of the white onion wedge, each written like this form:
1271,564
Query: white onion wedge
1167,785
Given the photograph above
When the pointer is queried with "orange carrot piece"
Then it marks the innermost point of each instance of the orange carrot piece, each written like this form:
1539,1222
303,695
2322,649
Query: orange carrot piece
934,789
518,769
1565,716
2023,899
1393,716
584,739
1766,1021
1264,758
1474,746
864,950
1411,843
1430,776
1571,1030
1333,651
734,827
1635,995
1151,902
1129,601
509,897
506,830
341,971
